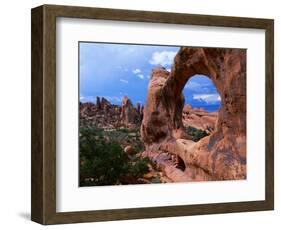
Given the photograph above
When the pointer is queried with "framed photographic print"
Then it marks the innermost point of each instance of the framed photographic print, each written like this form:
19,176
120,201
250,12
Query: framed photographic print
140,114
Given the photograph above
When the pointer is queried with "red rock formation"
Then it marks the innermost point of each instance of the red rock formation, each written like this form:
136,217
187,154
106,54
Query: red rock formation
141,113
104,103
102,115
222,155
199,118
128,113
106,115
87,109
98,103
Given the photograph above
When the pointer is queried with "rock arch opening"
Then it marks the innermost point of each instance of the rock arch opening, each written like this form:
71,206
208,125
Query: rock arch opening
221,155
201,104
201,93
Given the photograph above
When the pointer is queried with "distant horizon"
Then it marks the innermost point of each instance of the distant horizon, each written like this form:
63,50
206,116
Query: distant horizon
116,70
208,108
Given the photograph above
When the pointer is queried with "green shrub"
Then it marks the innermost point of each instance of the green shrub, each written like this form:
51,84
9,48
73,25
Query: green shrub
103,162
139,167
196,134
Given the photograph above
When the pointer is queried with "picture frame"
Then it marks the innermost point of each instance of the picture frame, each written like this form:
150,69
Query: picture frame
43,160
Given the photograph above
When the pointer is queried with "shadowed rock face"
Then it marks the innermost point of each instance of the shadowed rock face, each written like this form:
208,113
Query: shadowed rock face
222,155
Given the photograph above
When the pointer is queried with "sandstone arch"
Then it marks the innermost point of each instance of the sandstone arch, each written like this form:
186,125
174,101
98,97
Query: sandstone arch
222,155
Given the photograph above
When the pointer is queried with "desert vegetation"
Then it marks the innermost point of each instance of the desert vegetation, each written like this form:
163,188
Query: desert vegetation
195,133
103,160
111,149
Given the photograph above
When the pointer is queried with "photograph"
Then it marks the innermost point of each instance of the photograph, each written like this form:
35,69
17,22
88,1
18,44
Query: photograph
160,114
141,114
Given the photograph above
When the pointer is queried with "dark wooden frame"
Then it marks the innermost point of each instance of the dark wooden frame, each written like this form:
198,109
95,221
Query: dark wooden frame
43,188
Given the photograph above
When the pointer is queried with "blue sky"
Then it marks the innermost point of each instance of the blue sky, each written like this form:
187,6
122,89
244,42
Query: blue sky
115,70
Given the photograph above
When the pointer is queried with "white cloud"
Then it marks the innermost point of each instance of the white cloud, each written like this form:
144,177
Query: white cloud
164,58
136,71
88,99
140,76
193,85
124,81
208,98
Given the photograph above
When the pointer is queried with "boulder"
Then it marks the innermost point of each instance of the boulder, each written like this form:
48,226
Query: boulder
130,150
